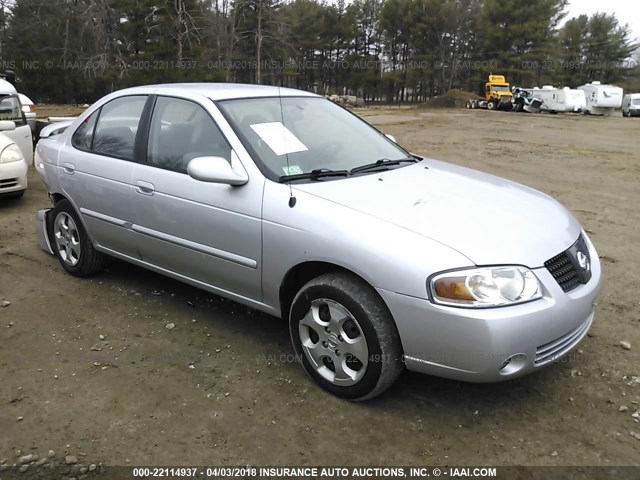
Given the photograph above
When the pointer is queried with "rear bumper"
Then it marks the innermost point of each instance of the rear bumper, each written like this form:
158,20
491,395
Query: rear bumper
41,231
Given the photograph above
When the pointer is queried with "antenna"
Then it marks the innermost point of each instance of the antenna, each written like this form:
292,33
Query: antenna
292,199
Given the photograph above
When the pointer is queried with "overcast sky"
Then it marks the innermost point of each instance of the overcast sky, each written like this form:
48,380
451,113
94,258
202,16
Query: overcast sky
626,11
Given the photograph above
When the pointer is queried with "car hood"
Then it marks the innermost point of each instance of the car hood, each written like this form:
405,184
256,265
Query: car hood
488,219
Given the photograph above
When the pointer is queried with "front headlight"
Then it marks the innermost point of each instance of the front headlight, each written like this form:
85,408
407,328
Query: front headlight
11,153
485,287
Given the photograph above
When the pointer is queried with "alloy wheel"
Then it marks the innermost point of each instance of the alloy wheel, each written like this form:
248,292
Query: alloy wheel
67,239
334,343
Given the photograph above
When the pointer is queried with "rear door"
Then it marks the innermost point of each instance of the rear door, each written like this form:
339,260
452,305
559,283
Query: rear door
96,172
207,232
11,109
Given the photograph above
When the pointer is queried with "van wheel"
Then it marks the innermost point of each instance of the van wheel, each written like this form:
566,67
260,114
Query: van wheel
345,337
70,241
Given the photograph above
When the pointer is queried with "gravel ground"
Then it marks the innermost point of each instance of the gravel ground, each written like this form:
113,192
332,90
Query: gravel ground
130,368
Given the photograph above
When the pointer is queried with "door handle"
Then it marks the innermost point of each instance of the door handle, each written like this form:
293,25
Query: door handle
69,168
145,188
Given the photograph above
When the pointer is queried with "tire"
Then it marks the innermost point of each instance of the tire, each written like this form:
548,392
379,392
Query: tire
468,105
474,104
349,316
491,105
70,242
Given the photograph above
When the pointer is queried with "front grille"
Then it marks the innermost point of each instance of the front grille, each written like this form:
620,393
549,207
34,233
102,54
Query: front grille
555,349
563,271
536,104
572,267
8,183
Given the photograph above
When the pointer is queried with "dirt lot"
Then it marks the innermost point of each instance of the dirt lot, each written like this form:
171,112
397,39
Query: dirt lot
220,388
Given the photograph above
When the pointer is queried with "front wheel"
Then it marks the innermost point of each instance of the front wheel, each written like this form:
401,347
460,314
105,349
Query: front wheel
70,241
345,337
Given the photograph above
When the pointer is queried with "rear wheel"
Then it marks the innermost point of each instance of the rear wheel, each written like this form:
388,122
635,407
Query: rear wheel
345,337
491,105
70,241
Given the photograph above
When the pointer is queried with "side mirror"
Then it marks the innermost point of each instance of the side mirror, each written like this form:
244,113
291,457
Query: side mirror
216,170
391,137
7,125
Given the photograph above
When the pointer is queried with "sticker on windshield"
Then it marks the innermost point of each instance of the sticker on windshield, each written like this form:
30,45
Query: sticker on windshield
279,138
292,170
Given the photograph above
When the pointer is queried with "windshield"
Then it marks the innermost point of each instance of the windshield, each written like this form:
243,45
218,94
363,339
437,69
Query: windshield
10,108
314,133
500,88
635,101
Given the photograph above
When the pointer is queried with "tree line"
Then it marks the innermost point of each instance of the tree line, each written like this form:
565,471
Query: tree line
381,50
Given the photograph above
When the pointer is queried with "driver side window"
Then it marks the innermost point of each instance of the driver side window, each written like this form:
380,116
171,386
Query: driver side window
180,131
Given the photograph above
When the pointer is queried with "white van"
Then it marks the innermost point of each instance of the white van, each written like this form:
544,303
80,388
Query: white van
631,105
11,110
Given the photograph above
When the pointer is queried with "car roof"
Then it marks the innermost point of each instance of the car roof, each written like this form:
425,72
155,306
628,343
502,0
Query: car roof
220,91
6,88
24,100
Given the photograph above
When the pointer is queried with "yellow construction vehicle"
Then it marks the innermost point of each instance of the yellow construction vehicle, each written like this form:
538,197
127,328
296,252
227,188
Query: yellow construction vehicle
498,95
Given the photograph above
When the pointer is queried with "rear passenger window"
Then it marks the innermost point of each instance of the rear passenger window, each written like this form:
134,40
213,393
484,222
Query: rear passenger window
117,126
181,131
83,136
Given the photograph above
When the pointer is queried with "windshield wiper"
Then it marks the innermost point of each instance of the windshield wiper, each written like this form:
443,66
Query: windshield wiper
314,175
382,164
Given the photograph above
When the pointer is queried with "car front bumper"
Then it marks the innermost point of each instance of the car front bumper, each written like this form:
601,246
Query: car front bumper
495,344
13,177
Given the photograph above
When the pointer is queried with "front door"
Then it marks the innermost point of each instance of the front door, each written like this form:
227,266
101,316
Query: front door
207,232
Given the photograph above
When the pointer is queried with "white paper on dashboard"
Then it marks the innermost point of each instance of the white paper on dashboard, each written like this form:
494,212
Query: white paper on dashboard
279,138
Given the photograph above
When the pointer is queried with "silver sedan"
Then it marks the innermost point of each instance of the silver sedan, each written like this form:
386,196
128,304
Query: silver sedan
379,259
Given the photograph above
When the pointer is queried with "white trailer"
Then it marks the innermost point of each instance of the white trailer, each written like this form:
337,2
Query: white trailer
556,100
602,99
